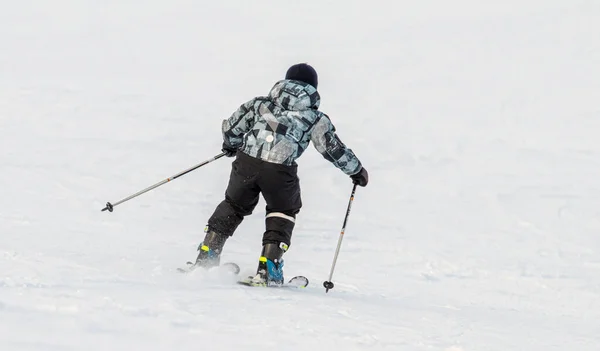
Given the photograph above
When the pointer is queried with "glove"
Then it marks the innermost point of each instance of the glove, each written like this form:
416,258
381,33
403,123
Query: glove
361,178
229,150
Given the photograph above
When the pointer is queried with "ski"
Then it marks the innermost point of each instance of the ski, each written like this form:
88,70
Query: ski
297,282
229,267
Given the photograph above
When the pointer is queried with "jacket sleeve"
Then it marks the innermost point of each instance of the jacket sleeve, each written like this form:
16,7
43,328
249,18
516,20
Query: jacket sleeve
240,122
331,147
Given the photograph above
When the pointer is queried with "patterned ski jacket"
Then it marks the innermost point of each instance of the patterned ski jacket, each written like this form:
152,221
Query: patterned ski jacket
278,128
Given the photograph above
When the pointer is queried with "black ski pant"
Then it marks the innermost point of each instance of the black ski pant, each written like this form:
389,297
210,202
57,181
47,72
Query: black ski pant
250,177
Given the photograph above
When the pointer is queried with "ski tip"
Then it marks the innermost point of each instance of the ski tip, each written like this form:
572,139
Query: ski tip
232,267
299,281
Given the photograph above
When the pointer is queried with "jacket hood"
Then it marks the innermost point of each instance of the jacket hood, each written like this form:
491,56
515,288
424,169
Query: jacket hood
294,95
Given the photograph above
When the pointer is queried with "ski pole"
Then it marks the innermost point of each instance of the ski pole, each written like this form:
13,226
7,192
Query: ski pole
110,206
329,284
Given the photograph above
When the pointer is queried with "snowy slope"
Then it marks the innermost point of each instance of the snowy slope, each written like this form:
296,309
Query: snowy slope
478,122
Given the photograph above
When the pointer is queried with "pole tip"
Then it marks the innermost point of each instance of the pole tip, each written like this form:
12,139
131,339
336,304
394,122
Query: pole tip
328,286
108,207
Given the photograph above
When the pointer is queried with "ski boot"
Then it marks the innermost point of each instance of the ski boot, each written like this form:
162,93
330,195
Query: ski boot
209,255
210,249
270,266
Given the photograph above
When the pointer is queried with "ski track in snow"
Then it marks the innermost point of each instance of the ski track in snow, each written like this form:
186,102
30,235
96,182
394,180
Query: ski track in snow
478,124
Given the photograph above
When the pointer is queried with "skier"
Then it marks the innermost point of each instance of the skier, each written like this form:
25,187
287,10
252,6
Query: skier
267,135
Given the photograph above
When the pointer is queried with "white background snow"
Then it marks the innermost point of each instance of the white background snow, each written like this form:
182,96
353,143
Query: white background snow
479,123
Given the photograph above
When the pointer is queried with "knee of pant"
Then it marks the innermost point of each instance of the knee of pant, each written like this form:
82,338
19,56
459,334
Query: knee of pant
241,210
279,228
225,219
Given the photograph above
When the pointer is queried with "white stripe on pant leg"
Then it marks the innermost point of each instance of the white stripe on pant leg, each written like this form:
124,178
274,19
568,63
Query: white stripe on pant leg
282,215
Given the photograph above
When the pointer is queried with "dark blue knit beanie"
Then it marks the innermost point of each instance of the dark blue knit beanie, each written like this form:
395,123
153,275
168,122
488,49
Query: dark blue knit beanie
304,73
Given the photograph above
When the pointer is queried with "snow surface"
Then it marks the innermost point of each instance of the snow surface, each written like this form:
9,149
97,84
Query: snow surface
478,122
